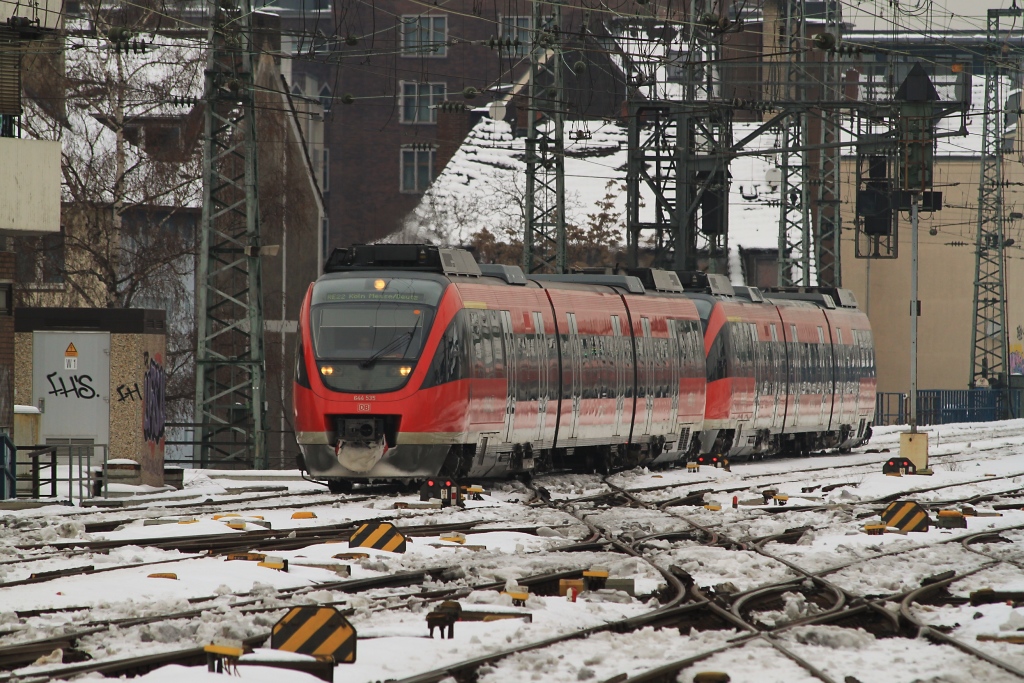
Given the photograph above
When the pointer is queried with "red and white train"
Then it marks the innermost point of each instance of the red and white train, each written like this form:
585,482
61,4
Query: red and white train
415,362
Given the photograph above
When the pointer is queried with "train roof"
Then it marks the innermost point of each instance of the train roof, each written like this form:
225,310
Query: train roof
459,265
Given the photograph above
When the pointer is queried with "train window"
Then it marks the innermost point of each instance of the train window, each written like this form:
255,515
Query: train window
486,345
450,359
839,335
775,333
498,342
718,356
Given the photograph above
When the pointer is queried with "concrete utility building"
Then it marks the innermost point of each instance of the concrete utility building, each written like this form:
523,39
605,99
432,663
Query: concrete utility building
97,377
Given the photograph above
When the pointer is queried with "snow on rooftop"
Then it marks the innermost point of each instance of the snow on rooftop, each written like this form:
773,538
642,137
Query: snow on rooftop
483,185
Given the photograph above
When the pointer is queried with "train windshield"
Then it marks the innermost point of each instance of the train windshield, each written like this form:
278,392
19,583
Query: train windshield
367,333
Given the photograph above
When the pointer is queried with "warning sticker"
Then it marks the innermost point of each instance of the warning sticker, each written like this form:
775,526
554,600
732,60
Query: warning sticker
71,357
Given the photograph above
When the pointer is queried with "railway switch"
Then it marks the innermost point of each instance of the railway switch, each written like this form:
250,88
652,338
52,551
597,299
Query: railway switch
223,657
875,529
444,617
950,519
304,514
692,467
519,595
595,578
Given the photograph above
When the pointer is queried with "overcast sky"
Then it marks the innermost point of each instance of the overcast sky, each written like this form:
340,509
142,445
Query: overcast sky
917,14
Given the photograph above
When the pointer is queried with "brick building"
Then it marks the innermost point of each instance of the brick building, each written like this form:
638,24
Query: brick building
391,64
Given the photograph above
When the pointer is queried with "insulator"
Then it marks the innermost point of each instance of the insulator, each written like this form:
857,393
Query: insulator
351,40
470,92
825,41
347,98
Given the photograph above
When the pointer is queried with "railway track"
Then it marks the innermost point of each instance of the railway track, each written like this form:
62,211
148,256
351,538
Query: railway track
703,623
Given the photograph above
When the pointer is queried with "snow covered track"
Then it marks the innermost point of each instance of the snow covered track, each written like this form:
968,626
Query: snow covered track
766,592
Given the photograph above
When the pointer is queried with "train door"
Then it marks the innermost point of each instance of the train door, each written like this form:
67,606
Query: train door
576,370
541,359
509,342
620,372
774,363
757,368
675,355
839,368
647,373
824,372
796,377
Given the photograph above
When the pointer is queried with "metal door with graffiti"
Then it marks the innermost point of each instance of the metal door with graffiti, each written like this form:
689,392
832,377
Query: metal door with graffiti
71,384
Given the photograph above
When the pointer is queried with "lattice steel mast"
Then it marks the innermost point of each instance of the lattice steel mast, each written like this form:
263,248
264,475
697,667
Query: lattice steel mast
230,371
544,239
989,342
794,195
828,217
678,152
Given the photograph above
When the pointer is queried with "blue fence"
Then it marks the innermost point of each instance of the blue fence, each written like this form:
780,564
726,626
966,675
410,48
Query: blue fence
940,406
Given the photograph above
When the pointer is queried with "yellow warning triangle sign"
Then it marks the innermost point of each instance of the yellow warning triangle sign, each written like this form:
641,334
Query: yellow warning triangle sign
71,350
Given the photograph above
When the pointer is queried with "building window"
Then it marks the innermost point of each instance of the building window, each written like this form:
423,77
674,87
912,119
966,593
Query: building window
424,36
41,260
417,168
419,101
516,29
6,299
326,100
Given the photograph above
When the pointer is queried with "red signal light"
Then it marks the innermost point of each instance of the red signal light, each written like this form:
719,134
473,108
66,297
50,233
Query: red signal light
447,483
430,482
890,463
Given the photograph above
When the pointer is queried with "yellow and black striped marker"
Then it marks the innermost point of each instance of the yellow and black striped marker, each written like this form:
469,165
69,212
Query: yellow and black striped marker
317,631
378,535
906,515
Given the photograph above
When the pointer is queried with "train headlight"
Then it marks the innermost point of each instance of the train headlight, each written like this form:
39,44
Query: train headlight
404,370
326,370
379,284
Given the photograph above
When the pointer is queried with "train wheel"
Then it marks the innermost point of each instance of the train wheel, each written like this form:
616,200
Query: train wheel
339,486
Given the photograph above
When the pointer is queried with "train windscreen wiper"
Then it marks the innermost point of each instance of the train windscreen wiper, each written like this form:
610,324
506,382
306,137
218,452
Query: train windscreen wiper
387,348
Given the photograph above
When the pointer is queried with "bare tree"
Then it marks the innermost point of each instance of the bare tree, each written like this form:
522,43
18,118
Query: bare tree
131,170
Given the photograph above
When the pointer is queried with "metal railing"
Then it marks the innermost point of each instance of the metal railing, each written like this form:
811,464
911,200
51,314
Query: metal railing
84,478
8,468
944,406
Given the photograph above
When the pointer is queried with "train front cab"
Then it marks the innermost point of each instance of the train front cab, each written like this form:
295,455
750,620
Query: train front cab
368,401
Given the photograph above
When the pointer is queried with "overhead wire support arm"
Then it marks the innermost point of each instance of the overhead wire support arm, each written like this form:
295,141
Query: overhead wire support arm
230,365
544,248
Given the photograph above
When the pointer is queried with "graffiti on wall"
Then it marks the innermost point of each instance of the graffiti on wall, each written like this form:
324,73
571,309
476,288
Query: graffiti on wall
1017,359
153,408
130,392
78,386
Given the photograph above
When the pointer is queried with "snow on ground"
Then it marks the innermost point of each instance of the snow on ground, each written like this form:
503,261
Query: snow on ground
512,540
